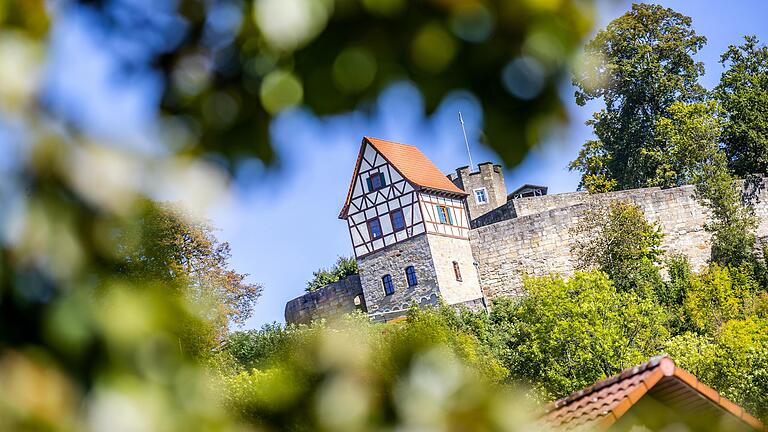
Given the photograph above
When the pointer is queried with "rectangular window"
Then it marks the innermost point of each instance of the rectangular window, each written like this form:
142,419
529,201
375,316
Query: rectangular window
374,228
457,271
445,215
398,221
376,181
410,275
481,196
389,288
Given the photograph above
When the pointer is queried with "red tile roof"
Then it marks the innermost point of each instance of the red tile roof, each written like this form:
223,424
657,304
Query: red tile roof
411,163
601,405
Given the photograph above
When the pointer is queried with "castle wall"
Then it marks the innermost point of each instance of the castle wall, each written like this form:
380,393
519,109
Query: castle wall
445,251
332,300
393,260
539,240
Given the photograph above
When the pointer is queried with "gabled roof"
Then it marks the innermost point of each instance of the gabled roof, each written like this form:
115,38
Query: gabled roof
411,163
526,186
600,406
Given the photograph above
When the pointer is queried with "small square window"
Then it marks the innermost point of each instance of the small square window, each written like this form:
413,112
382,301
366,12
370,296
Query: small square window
398,221
376,181
481,196
374,228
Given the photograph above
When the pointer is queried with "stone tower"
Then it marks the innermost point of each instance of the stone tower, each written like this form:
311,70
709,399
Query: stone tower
485,188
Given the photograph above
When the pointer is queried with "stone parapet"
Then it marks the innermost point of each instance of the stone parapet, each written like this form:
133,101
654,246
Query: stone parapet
332,300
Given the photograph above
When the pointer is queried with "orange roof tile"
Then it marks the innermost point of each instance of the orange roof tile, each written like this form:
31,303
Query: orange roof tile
414,165
601,405
411,163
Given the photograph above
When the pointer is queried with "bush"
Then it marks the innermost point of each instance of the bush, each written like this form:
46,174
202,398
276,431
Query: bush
567,334
344,267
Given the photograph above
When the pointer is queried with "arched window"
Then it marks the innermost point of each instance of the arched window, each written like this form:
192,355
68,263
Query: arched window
410,275
457,271
388,287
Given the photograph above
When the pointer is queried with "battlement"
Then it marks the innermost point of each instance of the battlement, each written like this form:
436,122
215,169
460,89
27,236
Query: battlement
485,187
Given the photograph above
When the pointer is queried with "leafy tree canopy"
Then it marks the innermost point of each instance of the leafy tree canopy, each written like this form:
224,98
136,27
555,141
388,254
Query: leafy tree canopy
639,65
620,241
164,244
567,334
743,94
688,138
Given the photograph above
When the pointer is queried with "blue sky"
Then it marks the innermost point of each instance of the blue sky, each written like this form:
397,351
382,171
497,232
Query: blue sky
283,224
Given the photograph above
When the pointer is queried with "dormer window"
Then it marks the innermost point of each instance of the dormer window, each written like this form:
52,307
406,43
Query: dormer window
376,181
481,196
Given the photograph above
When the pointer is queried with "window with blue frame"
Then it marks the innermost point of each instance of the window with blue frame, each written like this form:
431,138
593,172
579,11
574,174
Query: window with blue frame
376,181
398,221
374,228
444,214
410,275
389,288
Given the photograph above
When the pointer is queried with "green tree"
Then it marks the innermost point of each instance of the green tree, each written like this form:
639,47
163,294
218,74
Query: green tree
732,223
639,66
691,134
734,361
164,244
715,296
567,334
345,266
620,241
419,372
743,95
689,140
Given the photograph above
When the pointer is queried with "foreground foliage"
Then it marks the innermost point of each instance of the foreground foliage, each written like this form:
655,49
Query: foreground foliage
420,373
101,321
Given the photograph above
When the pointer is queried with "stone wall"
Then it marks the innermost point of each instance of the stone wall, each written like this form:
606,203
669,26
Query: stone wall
539,240
446,250
330,301
392,261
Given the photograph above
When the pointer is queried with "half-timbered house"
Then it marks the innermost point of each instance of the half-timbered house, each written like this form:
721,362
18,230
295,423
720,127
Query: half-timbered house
409,230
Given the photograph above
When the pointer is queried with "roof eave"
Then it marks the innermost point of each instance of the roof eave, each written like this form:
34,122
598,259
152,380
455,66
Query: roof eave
461,194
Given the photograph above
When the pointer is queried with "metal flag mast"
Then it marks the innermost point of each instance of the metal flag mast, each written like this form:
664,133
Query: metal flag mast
466,141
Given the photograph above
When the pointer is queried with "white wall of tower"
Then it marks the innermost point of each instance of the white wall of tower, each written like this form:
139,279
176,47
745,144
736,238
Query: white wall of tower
429,205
